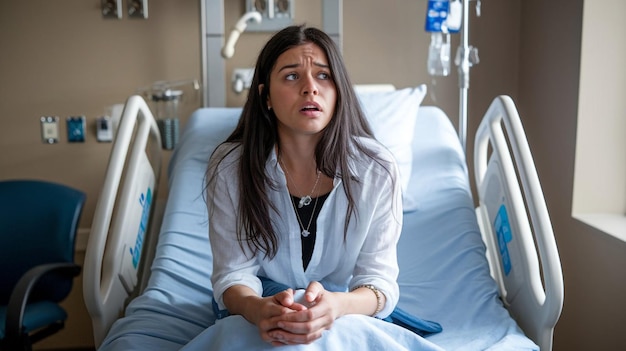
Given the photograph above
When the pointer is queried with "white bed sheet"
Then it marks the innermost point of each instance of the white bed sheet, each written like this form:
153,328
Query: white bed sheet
444,275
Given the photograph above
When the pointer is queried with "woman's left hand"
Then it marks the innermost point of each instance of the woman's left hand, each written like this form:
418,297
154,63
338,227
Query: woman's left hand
306,326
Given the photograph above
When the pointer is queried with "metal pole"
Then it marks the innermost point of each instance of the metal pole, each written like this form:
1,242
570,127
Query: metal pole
213,64
463,70
332,20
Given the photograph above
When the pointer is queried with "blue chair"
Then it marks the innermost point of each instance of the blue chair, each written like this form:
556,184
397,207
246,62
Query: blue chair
38,225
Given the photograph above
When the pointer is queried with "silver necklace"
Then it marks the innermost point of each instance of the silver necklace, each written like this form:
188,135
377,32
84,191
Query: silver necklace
305,200
305,231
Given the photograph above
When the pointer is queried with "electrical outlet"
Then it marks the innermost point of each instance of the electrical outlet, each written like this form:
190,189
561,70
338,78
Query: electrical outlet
76,129
138,8
111,8
50,129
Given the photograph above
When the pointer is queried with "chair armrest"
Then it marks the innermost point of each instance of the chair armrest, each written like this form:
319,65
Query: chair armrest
21,293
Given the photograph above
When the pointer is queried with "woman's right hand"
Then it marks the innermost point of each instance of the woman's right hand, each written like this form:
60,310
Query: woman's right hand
270,307
261,311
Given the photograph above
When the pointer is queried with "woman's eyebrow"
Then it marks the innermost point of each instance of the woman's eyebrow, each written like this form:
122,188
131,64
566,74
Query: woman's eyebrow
290,66
295,65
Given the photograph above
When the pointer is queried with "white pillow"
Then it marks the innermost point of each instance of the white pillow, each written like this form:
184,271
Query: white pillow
392,116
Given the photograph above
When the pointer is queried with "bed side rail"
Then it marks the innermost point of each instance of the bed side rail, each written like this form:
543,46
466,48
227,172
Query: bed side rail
122,215
512,240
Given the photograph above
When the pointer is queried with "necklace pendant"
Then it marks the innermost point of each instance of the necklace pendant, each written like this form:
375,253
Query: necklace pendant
304,201
305,233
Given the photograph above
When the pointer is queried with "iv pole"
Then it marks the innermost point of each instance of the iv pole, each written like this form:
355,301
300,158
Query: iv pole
464,63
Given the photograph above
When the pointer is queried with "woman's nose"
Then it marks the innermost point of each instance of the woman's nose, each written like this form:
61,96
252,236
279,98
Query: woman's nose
309,86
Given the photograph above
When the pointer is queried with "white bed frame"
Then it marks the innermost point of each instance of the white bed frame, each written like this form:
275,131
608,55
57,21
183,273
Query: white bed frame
111,277
123,234
514,263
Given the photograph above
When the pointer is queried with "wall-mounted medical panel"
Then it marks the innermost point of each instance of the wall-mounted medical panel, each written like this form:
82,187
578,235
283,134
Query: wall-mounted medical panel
276,14
138,9
50,129
111,8
76,129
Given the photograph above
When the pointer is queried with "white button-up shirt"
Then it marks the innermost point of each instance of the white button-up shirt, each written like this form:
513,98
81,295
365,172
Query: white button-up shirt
367,256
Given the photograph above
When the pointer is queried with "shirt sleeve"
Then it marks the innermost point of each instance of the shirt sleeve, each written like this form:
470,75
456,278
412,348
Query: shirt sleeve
233,261
377,262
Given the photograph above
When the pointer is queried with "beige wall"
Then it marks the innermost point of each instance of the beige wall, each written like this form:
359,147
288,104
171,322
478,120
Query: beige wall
601,122
61,58
594,263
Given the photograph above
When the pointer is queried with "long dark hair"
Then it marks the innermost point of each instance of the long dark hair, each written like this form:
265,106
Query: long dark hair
257,134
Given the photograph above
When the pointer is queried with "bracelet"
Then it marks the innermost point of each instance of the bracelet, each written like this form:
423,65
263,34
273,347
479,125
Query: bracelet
379,300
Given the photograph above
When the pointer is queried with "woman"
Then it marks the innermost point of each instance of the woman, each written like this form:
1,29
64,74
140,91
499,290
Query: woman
301,194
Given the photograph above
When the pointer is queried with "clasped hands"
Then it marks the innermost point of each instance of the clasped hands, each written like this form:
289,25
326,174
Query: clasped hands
284,321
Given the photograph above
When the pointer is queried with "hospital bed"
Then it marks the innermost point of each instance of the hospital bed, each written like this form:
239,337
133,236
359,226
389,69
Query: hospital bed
489,274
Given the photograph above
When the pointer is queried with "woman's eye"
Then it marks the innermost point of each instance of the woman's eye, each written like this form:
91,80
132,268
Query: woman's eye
323,75
291,76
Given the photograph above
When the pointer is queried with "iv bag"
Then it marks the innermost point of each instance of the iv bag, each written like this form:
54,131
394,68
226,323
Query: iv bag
444,16
439,54
455,14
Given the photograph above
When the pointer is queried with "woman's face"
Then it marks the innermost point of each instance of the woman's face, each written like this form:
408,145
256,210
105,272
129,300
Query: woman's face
302,92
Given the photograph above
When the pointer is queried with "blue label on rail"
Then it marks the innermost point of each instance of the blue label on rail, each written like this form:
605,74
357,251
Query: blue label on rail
503,230
144,201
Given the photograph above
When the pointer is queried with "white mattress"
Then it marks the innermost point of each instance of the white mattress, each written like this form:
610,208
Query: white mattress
444,275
